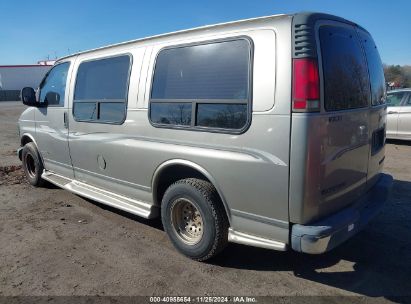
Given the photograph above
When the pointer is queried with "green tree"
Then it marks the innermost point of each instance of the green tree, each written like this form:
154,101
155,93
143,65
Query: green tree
401,75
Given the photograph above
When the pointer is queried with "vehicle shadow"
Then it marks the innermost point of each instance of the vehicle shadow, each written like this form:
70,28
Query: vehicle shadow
399,142
154,223
49,185
375,263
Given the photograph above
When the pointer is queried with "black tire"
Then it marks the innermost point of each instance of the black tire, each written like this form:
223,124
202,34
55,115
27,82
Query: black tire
32,165
215,224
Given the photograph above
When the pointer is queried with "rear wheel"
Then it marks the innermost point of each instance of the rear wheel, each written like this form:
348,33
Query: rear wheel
32,165
194,218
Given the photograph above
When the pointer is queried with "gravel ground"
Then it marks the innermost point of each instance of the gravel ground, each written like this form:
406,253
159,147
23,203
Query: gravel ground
56,243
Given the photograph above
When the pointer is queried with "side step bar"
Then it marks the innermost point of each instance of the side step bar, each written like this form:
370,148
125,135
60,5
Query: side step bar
251,240
102,196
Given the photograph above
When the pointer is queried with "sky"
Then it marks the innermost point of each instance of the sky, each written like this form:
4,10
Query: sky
36,30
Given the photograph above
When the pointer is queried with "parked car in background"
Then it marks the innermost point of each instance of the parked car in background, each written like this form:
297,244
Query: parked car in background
399,114
268,132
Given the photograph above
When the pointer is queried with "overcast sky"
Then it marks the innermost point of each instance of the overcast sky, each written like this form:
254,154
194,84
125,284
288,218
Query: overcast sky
33,30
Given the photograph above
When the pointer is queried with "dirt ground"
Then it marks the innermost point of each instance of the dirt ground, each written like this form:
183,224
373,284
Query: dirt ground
55,243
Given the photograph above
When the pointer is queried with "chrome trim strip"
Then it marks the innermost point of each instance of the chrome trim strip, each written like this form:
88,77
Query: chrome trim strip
251,240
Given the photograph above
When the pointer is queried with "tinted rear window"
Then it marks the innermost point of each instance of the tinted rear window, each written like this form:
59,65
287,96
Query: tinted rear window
346,84
375,69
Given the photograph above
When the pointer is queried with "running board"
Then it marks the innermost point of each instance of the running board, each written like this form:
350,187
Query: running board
251,240
102,196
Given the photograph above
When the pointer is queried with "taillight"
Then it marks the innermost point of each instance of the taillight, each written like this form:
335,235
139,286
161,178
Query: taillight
306,85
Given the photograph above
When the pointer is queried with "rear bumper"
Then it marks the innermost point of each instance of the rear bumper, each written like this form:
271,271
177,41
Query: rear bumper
328,233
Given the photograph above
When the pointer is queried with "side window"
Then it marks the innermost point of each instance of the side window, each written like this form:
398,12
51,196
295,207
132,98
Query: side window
53,86
375,69
101,90
394,99
346,83
409,100
203,86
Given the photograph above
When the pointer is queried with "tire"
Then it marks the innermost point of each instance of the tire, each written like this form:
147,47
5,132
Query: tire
199,238
32,165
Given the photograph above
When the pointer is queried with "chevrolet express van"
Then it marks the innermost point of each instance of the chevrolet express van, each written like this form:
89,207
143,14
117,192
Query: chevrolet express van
268,132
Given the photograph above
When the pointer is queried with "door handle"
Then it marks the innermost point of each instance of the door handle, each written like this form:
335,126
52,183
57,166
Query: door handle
392,112
65,120
362,130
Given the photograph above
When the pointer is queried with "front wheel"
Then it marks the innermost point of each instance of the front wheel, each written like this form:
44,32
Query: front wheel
32,165
194,218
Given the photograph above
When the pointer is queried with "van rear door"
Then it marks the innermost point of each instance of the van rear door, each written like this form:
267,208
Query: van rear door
378,112
342,141
344,124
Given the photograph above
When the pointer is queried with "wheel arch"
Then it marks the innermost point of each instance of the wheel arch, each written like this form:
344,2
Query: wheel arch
175,169
25,139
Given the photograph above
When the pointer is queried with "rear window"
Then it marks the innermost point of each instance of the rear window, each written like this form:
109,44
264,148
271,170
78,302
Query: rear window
375,69
346,84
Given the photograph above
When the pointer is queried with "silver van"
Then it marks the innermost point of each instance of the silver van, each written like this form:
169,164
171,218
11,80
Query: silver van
268,132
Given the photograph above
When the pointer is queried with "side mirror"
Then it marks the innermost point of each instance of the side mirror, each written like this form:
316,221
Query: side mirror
28,97
52,98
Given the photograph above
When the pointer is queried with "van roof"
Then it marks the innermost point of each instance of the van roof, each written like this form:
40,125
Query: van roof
305,17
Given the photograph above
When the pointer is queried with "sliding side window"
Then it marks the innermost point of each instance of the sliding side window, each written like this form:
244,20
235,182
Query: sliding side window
101,90
204,86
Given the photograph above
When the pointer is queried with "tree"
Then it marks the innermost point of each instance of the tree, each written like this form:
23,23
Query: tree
400,75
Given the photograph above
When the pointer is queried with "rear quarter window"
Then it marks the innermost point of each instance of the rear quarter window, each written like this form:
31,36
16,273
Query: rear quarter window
203,86
345,74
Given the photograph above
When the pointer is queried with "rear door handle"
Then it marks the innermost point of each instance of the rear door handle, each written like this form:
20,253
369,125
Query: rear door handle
65,120
392,112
